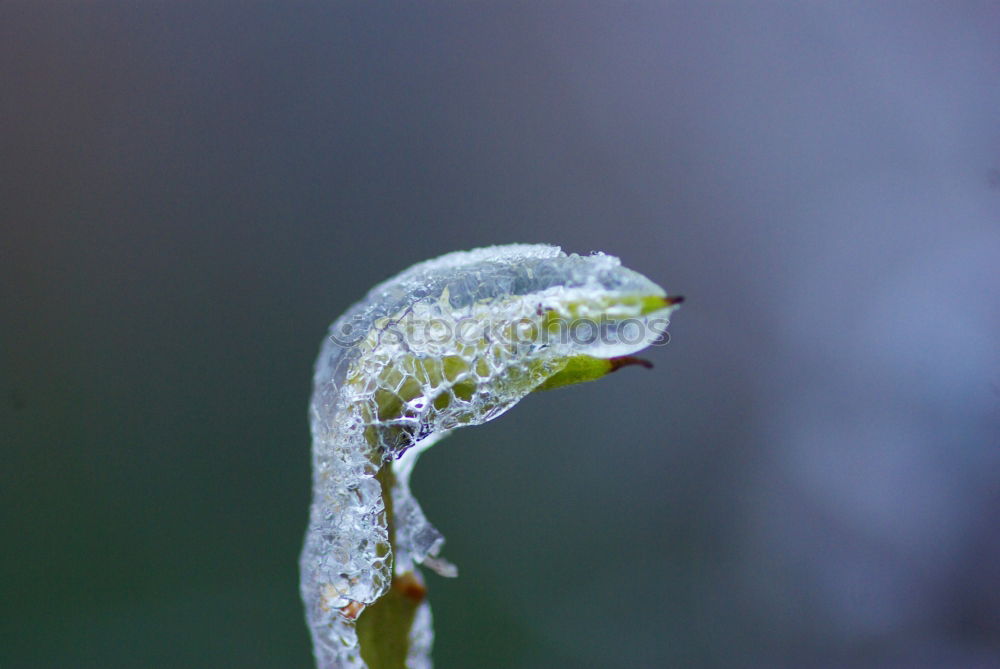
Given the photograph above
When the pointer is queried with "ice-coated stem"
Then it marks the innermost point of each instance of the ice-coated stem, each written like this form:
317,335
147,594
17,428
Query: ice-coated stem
384,627
449,342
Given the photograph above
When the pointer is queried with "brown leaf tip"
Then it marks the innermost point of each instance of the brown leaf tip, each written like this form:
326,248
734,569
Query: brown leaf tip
628,361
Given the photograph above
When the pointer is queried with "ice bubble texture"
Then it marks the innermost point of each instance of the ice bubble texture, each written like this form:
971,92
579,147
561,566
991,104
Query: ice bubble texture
383,393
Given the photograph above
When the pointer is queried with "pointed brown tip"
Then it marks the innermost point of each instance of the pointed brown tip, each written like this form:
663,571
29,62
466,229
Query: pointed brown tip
671,301
628,361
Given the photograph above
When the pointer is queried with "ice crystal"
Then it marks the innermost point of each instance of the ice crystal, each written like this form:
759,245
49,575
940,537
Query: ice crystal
439,346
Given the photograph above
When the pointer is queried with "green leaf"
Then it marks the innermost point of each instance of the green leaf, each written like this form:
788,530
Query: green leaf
583,368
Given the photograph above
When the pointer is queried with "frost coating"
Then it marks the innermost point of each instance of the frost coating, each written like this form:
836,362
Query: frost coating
383,393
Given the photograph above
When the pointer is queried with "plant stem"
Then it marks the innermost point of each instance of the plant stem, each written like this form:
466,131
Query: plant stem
384,627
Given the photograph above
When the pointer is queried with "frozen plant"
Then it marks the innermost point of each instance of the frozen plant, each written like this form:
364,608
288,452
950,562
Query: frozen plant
453,341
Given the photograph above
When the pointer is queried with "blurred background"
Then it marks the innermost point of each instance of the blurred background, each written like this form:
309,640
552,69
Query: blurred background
810,477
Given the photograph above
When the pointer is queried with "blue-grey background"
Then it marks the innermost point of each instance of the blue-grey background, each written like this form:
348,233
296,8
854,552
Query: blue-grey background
191,192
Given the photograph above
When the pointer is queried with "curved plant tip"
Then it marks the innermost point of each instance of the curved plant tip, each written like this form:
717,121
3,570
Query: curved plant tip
450,342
